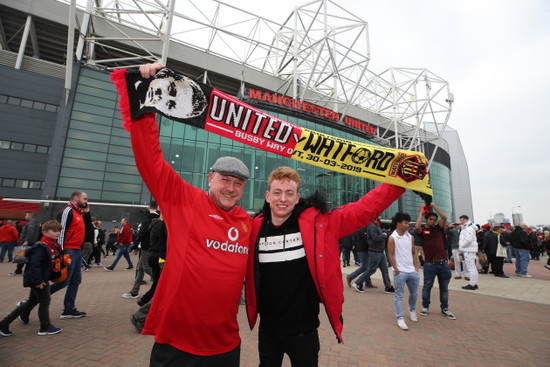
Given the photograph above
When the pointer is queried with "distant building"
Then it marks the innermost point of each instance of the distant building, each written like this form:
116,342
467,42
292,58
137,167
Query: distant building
517,218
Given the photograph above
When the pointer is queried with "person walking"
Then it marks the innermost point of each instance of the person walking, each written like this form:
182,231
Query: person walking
124,241
405,264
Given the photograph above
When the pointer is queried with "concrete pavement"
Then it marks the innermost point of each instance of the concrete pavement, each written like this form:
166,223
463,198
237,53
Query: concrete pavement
504,323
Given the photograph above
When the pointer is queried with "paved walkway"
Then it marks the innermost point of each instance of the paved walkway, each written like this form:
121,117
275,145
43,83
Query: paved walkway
505,323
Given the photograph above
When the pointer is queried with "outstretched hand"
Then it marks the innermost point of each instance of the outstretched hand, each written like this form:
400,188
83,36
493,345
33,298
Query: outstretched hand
149,70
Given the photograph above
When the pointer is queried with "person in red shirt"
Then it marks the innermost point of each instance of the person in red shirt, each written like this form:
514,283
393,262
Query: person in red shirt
124,240
75,219
436,263
8,239
194,321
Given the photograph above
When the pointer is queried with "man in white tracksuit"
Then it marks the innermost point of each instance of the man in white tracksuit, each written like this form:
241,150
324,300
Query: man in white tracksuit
467,245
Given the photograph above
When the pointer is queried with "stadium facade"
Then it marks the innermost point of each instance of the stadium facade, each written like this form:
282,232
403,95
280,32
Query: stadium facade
61,129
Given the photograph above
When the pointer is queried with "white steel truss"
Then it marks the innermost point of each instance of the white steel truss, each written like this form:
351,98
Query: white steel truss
320,53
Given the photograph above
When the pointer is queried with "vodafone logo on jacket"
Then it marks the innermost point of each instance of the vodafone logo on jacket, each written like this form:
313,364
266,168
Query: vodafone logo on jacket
228,245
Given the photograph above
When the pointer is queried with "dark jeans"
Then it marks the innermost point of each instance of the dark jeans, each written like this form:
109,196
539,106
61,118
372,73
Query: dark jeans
443,274
497,264
164,355
376,260
74,277
39,297
155,274
302,349
122,251
363,258
7,247
96,254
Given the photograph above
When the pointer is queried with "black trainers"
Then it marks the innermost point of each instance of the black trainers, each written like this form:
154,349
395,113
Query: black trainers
5,330
24,318
129,268
470,287
357,287
390,290
73,314
50,330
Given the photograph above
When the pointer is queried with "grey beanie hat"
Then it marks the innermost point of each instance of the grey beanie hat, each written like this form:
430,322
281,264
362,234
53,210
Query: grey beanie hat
232,167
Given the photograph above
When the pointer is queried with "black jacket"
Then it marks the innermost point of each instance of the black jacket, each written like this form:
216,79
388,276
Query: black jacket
143,236
38,265
490,242
157,235
519,239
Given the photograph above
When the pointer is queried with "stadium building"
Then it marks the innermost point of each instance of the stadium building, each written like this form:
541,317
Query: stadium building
61,129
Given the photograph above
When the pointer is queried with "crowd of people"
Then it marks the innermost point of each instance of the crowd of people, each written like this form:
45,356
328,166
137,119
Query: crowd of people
287,256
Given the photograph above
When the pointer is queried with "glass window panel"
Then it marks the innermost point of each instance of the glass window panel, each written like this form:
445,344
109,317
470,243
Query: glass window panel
23,184
51,107
166,126
26,103
66,191
93,81
35,185
214,138
3,98
85,172
86,145
8,182
88,136
178,130
14,101
95,110
202,135
85,155
121,187
102,93
94,119
120,196
79,183
121,168
119,177
4,144
96,101
121,159
200,158
16,146
191,132
42,149
213,154
39,106
188,158
29,148
121,150
121,141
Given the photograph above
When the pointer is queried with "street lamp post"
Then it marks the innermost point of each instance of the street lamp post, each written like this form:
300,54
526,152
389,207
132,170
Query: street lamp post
514,219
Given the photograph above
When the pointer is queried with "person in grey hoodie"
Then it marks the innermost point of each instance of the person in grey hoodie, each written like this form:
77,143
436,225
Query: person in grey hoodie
376,239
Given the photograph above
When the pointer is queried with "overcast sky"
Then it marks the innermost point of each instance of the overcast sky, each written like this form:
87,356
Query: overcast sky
496,57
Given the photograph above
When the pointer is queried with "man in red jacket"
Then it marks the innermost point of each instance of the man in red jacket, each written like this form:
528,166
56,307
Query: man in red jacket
124,240
8,239
74,218
295,265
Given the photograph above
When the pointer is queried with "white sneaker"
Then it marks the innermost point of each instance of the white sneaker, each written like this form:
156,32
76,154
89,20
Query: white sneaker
401,323
129,295
412,316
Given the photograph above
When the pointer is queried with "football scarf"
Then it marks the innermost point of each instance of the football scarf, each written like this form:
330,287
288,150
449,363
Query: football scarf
182,99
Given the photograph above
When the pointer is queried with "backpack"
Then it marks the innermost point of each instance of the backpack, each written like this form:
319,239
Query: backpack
60,267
